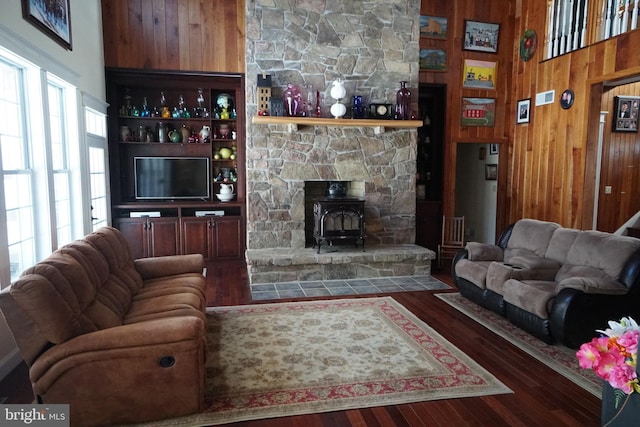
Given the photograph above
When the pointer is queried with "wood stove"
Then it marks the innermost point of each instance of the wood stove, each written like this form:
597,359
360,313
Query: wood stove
338,219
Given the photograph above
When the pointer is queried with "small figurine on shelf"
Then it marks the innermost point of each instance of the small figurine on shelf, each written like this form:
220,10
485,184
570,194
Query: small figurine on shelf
224,114
205,133
125,110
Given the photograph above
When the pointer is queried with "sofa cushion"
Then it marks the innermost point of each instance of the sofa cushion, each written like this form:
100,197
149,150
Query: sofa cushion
533,235
473,271
603,251
593,285
50,295
484,252
560,243
534,296
498,273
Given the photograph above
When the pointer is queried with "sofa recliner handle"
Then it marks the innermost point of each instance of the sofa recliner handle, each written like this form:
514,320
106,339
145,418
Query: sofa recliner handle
167,361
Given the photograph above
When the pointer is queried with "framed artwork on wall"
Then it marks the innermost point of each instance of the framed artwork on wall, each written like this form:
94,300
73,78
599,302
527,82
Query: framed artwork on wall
434,27
481,36
479,74
51,17
625,113
491,172
433,60
523,111
493,149
478,112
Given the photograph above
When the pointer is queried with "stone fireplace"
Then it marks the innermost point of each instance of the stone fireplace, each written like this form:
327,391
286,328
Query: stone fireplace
372,46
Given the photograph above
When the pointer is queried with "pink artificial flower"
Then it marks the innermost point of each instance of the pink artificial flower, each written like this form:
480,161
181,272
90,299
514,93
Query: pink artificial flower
621,377
609,361
629,340
588,355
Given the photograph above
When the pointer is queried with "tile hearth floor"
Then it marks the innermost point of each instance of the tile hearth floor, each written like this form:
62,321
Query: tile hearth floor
318,288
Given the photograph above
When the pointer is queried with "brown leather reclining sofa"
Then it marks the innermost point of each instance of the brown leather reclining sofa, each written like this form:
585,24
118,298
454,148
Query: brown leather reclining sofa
119,340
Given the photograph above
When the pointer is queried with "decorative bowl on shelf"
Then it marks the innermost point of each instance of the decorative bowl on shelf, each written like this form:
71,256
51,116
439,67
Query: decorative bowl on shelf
225,197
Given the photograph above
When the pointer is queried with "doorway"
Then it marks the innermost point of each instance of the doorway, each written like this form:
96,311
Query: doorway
618,193
477,190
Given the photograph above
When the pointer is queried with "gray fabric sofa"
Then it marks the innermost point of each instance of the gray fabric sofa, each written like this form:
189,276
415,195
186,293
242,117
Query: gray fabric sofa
559,284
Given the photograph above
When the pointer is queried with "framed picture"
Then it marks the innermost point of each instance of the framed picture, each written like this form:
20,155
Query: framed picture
523,111
433,27
478,112
481,36
625,113
566,100
433,60
479,74
51,17
493,149
491,172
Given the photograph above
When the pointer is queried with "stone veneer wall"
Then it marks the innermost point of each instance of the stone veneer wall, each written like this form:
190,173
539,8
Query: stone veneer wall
371,45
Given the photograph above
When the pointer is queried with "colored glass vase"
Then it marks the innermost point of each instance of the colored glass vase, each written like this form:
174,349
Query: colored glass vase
403,102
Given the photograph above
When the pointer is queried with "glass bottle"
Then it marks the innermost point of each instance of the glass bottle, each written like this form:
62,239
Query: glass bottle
291,99
165,109
403,102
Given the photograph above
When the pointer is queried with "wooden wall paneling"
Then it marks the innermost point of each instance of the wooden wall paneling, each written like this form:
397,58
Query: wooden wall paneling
189,35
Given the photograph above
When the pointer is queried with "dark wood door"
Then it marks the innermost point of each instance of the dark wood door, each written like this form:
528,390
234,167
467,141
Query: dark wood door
163,236
227,240
196,236
134,231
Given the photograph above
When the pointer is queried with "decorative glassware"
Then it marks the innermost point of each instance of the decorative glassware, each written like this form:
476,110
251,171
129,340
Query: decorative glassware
358,110
291,100
403,102
145,108
338,92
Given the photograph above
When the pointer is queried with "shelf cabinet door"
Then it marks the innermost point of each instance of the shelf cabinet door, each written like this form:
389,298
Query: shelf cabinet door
150,237
227,241
196,236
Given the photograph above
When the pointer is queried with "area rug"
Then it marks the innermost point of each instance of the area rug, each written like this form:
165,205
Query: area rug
559,358
281,359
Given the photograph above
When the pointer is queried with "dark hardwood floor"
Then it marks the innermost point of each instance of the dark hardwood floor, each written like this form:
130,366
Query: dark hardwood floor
540,396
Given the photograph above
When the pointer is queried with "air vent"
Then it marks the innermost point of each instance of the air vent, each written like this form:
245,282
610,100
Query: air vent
547,97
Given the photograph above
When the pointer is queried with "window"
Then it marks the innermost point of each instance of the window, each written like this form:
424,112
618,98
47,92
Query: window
41,172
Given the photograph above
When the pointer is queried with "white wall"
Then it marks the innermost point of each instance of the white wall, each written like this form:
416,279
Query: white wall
83,66
476,197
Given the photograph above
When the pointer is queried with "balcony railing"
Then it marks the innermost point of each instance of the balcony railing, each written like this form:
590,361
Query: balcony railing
572,24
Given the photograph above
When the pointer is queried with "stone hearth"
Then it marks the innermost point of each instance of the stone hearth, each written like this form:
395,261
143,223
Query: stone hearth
338,262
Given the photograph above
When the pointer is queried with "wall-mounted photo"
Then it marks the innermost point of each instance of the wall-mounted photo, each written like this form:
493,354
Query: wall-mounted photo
51,17
493,149
478,112
523,111
479,74
625,117
491,172
481,36
433,60
433,27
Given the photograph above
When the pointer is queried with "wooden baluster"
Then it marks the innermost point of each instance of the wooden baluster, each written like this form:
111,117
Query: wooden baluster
624,4
584,23
634,15
550,40
563,29
556,40
608,21
569,25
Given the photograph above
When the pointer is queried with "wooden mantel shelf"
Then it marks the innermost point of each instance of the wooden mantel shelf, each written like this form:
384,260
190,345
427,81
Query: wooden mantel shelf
377,125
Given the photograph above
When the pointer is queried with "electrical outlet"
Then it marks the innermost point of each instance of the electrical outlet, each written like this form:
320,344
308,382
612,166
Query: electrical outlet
607,189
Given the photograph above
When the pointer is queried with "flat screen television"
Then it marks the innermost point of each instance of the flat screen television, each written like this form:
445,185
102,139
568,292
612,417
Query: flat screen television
168,178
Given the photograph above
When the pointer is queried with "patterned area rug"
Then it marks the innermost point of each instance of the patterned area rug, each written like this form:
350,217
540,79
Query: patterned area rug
559,358
280,359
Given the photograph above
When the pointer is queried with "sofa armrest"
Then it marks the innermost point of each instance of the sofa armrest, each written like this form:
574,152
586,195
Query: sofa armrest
593,285
120,342
151,268
484,252
575,315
